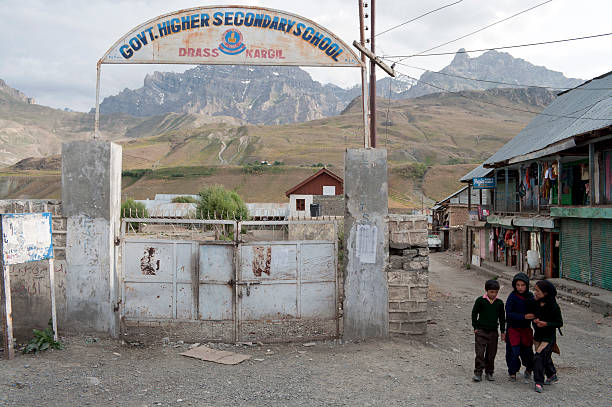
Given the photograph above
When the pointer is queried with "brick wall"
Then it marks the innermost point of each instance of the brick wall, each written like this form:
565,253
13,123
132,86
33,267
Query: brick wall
331,205
458,215
408,274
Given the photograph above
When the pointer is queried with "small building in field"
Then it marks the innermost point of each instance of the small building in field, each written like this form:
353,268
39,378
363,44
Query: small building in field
321,194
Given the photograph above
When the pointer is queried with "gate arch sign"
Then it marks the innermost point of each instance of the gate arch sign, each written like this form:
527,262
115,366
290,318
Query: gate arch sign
228,35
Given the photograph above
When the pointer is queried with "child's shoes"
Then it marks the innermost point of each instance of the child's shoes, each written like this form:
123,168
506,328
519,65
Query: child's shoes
552,379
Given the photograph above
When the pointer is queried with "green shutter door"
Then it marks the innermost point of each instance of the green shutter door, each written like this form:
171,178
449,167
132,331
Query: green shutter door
575,250
601,235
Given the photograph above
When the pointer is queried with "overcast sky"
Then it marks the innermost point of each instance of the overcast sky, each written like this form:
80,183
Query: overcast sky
49,49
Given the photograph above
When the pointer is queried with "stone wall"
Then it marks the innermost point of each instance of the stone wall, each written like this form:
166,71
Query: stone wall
30,290
326,230
408,274
331,205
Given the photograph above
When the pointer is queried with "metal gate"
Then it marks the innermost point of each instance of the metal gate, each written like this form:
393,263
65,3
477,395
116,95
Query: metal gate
287,289
601,258
575,249
230,290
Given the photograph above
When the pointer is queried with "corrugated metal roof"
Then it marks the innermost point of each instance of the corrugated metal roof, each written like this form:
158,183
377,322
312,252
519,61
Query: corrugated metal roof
477,172
452,195
549,128
164,209
170,197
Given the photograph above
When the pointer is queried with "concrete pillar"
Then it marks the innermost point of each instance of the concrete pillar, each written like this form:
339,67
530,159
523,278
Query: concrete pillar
366,312
91,199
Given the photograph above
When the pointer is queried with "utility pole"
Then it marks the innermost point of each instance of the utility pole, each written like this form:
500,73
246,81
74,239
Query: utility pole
364,79
372,78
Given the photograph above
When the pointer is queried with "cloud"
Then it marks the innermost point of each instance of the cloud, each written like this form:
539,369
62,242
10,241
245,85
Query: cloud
50,49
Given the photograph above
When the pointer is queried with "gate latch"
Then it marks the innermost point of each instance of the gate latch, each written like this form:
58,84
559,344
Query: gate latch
248,287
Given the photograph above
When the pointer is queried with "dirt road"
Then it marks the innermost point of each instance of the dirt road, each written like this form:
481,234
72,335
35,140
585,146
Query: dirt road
434,370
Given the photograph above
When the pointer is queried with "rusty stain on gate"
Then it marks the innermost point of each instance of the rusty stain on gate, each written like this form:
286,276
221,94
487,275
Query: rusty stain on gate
148,265
262,256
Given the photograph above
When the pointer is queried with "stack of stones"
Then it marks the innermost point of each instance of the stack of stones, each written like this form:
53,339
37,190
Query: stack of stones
408,274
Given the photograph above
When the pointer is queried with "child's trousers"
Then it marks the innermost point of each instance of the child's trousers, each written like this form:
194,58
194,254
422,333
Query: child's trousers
485,345
519,343
543,364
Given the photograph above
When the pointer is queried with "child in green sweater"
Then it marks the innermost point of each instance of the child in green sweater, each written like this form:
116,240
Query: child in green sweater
487,314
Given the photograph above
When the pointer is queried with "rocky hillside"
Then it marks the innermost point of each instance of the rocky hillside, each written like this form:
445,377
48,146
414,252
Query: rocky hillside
8,94
258,95
491,66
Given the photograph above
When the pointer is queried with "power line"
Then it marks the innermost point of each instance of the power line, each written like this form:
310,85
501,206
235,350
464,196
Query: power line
490,81
503,106
495,48
416,18
482,29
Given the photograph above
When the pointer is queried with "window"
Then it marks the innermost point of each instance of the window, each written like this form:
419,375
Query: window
300,204
329,190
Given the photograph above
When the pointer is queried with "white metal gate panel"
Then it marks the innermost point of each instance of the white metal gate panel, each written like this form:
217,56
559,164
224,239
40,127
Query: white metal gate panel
287,289
157,279
216,282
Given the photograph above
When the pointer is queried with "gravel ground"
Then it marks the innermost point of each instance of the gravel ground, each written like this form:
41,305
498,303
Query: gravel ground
433,370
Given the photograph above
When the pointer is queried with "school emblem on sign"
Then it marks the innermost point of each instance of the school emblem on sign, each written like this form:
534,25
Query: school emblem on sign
232,42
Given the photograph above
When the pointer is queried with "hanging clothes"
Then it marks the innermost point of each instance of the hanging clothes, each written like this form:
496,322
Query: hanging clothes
509,238
527,181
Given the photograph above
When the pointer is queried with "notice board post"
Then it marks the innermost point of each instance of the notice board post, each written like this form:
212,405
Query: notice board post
26,237
366,297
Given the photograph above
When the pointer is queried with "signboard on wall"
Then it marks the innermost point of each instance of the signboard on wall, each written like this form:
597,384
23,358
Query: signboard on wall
231,35
483,183
26,237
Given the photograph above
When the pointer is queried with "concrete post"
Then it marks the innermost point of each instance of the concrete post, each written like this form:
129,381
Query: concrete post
91,191
366,304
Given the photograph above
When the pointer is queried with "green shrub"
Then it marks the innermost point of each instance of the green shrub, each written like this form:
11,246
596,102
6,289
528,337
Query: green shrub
138,173
216,201
181,172
258,168
184,199
132,209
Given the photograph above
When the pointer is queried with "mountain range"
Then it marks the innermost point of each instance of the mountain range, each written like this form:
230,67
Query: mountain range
280,95
493,69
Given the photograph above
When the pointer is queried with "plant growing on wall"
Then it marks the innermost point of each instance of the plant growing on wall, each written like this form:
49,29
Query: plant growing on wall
217,202
132,209
184,199
43,340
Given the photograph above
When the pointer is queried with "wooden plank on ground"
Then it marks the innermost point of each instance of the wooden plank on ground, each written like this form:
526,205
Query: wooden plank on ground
213,355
